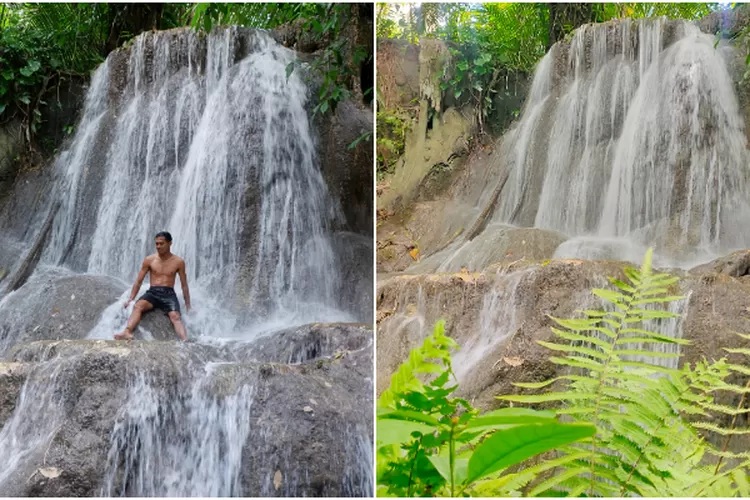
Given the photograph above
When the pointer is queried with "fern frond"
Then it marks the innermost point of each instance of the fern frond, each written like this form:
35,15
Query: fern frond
540,385
544,398
744,370
726,410
423,360
738,350
577,362
556,480
574,349
607,346
720,430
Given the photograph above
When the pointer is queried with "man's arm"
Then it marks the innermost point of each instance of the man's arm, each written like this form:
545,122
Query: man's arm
184,283
138,281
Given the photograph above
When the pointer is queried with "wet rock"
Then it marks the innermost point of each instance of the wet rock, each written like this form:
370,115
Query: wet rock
10,254
12,378
11,142
55,305
353,252
495,245
90,392
308,342
736,264
348,172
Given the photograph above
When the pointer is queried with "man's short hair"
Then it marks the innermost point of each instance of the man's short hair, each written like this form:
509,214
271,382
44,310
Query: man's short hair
164,235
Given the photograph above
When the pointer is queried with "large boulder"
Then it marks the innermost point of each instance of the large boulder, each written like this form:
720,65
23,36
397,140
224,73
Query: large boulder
55,304
307,342
160,419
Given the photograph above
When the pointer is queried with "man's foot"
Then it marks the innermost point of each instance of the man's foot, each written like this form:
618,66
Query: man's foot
125,335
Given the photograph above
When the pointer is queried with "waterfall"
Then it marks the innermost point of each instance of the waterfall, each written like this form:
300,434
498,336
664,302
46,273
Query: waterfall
631,136
223,157
209,138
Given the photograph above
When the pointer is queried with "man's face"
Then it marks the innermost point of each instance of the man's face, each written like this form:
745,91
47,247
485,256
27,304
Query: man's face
162,245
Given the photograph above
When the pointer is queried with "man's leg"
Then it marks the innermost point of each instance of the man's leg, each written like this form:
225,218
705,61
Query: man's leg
140,307
179,327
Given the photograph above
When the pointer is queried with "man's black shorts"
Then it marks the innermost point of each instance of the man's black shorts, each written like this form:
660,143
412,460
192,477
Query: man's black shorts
162,297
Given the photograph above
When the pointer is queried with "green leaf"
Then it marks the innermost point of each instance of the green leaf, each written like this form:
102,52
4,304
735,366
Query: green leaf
505,416
443,466
509,447
413,416
543,398
398,431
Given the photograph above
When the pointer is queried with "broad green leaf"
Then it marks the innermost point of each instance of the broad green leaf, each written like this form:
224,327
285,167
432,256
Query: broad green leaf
398,431
508,447
505,416
543,398
443,466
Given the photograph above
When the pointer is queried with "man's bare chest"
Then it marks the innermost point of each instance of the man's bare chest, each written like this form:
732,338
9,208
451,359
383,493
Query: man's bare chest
168,268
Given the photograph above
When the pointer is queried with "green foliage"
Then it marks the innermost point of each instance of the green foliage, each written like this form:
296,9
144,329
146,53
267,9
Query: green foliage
430,444
336,65
659,430
391,144
648,416
488,40
39,45
255,15
43,44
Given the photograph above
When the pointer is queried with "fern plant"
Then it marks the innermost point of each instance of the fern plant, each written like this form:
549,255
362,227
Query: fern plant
652,420
431,444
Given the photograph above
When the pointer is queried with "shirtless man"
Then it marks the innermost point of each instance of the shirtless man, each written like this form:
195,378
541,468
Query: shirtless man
163,266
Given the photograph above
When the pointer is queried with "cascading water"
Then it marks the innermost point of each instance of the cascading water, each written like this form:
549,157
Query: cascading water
210,139
631,136
498,321
202,458
213,157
